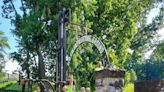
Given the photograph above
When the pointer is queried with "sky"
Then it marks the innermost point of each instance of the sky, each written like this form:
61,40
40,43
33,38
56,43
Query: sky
5,26
160,34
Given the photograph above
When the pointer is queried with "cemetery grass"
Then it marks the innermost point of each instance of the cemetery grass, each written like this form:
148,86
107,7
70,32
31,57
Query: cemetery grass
129,88
13,85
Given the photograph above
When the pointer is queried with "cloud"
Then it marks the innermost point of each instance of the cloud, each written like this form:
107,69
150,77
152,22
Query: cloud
161,34
10,65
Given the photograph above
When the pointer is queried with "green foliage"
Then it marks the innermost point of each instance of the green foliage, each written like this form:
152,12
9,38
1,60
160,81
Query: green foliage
127,78
142,42
24,62
83,65
2,75
158,53
130,77
35,36
129,88
133,76
3,44
150,70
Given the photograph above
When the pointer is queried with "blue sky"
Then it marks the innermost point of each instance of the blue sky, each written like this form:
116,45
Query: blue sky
5,26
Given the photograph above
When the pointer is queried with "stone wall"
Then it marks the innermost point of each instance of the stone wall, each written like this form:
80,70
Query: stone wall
150,86
108,80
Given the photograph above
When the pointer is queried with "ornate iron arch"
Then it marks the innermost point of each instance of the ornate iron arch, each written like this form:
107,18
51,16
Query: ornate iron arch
95,41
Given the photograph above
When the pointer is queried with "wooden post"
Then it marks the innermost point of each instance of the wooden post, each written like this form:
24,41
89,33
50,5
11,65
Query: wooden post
23,83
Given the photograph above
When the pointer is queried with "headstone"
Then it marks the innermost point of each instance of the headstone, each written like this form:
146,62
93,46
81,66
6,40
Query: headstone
149,86
109,80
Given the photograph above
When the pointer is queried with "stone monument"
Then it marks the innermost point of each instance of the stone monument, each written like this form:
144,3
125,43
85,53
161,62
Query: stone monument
109,80
149,86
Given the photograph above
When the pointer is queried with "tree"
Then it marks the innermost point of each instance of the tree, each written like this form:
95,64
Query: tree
150,70
115,22
24,60
35,36
158,52
3,44
142,41
83,64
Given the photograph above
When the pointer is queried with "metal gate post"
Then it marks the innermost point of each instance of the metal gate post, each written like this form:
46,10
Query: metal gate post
61,51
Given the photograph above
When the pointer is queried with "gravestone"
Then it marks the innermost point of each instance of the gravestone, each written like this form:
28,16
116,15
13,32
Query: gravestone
109,80
149,86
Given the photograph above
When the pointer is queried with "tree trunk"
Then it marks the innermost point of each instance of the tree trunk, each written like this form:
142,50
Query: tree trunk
41,64
29,82
28,72
23,87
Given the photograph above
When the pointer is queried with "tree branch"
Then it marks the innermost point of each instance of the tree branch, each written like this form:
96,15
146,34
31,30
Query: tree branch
13,6
24,10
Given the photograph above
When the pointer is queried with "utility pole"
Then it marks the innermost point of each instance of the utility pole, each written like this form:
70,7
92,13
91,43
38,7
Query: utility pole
61,50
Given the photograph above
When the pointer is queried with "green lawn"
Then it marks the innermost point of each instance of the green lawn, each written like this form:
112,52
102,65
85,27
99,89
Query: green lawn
6,84
129,88
12,85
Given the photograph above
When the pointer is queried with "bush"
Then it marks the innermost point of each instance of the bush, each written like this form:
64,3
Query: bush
130,77
129,88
